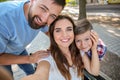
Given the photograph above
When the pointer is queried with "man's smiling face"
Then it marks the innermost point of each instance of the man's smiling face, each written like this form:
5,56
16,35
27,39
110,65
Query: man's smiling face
42,12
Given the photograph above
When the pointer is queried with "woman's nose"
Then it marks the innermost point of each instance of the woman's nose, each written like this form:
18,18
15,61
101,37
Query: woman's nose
64,33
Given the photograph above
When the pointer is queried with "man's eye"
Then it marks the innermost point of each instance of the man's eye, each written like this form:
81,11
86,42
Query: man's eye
53,17
43,9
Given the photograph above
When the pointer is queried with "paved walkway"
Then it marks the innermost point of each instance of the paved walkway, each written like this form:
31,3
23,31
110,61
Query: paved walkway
18,73
41,42
110,35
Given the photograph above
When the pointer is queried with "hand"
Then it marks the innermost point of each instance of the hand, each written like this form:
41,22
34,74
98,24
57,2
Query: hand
94,38
35,57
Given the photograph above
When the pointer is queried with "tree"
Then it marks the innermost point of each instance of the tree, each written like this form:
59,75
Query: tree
91,1
82,9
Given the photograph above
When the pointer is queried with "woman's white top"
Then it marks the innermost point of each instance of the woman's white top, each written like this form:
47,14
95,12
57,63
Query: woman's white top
54,73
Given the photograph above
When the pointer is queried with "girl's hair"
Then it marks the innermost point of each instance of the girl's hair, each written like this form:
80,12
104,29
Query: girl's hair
58,56
82,26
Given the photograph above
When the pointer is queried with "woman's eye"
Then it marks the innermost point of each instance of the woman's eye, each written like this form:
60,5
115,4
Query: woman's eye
69,29
57,30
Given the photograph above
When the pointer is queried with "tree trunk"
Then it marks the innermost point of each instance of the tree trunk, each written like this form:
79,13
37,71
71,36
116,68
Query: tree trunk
91,1
82,9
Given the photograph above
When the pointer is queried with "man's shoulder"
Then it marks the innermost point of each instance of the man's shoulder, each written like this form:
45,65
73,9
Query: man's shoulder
9,11
10,5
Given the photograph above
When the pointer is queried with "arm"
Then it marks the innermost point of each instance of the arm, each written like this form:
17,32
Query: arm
43,67
42,72
93,65
7,59
5,74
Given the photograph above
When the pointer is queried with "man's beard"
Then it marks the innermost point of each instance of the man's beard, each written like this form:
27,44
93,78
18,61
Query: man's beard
31,22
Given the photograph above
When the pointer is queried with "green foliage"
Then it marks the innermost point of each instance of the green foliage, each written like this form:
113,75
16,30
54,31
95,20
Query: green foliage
2,0
72,3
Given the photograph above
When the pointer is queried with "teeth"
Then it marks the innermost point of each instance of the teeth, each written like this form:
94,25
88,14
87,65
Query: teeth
37,20
65,40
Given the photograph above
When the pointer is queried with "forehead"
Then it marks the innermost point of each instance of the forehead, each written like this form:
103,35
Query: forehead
51,5
47,3
84,35
63,23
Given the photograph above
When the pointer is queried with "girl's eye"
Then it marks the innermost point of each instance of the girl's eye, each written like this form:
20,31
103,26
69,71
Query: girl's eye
87,39
77,41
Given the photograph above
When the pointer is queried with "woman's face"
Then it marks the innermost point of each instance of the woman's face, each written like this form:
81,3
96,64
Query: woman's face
63,33
83,41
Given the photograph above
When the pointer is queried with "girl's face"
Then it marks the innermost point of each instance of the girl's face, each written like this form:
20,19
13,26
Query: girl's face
63,33
83,41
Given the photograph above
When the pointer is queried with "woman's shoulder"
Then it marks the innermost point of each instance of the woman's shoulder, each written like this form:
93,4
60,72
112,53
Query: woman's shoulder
48,59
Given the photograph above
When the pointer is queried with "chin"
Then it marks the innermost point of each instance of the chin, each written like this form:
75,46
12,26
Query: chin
85,50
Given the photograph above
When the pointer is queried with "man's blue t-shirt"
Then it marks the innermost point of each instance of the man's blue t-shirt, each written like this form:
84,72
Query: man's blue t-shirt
15,32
